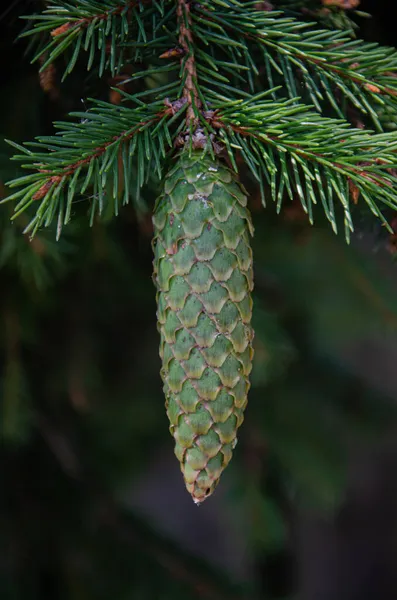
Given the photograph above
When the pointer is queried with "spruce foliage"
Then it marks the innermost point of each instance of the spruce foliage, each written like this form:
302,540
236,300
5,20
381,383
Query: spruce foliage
304,106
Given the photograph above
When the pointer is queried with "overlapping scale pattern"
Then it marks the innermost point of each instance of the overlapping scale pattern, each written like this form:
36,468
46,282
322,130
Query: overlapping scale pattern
204,278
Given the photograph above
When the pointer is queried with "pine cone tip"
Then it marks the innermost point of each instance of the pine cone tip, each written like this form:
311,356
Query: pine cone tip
199,494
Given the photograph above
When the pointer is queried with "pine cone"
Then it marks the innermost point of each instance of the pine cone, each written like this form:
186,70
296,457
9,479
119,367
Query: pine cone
204,277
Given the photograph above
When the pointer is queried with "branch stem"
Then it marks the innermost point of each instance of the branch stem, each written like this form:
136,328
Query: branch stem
344,169
102,16
99,151
190,92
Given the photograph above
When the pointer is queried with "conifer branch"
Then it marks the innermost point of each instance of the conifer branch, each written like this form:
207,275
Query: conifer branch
294,148
219,43
87,26
106,15
122,138
364,73
87,155
188,62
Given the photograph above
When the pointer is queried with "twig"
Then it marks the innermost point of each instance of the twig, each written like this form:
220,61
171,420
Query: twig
308,154
371,85
83,23
190,73
70,169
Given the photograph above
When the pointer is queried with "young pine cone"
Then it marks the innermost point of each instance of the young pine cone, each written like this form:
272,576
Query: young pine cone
204,278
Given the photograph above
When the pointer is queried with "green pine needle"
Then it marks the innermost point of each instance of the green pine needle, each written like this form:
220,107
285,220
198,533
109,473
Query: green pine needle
303,135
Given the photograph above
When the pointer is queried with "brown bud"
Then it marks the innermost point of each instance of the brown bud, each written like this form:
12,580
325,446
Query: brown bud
354,191
41,192
346,4
62,29
173,53
372,88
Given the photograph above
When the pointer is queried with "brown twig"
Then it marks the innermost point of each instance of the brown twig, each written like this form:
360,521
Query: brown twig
70,169
217,122
83,23
190,73
372,86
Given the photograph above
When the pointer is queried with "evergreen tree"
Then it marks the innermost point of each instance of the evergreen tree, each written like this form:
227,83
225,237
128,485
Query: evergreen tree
204,96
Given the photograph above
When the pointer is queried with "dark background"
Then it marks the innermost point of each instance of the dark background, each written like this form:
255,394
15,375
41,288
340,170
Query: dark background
92,503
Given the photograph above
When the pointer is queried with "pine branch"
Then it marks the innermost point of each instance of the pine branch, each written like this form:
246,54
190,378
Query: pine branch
88,154
297,149
364,73
283,141
334,14
92,26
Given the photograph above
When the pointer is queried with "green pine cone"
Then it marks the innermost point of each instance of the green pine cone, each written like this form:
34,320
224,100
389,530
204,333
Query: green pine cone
204,277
